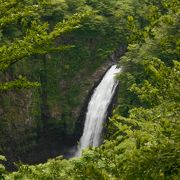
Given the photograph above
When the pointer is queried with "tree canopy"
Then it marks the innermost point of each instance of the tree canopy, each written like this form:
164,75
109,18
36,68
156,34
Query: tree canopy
143,131
34,37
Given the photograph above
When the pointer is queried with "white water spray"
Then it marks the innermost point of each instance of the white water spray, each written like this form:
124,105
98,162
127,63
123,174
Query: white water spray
97,110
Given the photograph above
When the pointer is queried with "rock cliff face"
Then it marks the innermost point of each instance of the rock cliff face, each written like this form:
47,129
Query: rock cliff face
30,136
17,134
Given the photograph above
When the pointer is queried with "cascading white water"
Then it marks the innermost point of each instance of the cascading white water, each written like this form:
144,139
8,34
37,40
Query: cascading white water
97,110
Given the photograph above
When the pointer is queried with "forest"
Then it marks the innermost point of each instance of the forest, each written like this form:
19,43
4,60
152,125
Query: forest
54,54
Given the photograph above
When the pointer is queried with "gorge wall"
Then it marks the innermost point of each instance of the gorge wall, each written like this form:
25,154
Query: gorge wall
41,123
38,124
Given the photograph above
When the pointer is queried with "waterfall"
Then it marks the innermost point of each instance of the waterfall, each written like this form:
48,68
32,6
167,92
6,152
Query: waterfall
97,110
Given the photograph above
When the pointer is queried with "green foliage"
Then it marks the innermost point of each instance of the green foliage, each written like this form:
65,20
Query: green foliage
37,39
143,141
145,145
25,36
2,168
151,140
21,82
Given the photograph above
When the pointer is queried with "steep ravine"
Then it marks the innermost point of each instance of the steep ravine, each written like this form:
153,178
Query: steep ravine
62,135
86,80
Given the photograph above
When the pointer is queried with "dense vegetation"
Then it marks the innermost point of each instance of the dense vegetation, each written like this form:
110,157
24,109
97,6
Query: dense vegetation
57,54
143,132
